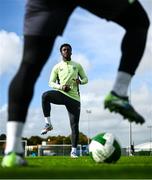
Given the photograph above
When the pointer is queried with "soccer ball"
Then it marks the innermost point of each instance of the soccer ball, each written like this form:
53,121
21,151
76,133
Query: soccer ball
105,148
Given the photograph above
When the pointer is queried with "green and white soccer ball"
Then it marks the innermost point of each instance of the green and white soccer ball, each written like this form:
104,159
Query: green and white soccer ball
105,148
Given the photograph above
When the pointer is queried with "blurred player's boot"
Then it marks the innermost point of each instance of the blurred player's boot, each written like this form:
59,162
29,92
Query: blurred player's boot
121,105
13,160
48,127
74,155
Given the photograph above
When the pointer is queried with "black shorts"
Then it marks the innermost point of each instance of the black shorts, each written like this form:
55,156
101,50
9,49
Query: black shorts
48,18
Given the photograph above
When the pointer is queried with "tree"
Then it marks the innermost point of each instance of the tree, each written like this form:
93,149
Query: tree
35,140
83,139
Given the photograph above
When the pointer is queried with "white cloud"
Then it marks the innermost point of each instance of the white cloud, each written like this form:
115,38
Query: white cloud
94,36
3,118
59,118
102,120
147,4
95,39
97,121
143,101
98,86
83,60
100,40
10,51
146,63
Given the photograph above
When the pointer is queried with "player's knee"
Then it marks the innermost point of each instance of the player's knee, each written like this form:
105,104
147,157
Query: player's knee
143,23
146,23
134,18
44,96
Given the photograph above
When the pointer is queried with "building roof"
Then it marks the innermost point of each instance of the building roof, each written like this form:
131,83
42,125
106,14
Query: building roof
147,146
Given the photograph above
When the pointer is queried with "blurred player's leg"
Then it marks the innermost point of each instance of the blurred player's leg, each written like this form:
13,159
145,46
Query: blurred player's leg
132,17
36,52
41,26
73,108
136,23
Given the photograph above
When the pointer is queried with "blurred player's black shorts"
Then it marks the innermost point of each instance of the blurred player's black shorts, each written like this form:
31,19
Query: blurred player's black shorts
49,17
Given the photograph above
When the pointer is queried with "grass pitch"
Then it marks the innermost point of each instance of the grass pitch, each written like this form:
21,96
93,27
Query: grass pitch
60,167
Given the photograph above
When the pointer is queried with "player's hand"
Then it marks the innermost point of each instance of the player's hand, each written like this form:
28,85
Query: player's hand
78,81
66,88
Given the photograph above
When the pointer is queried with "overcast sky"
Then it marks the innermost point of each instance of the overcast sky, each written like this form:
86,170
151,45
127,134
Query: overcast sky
96,45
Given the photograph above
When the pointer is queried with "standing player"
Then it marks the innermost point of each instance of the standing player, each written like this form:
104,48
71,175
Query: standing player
65,78
44,21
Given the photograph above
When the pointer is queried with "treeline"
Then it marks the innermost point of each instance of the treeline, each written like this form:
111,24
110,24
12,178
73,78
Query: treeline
35,140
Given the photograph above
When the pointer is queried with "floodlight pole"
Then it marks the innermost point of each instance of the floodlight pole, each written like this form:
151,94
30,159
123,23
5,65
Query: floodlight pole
130,128
63,146
88,111
150,127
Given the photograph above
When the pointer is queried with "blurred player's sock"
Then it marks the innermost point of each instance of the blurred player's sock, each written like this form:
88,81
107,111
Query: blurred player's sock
122,83
14,136
47,120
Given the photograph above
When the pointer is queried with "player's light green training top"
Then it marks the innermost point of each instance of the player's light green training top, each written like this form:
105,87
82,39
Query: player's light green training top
66,73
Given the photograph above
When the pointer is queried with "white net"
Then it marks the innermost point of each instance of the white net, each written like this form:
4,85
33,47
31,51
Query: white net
57,150
3,144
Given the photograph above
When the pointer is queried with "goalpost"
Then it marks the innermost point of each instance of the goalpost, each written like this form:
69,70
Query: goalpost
3,144
57,150
46,149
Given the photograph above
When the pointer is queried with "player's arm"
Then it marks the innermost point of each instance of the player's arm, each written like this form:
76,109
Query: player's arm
54,81
82,75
